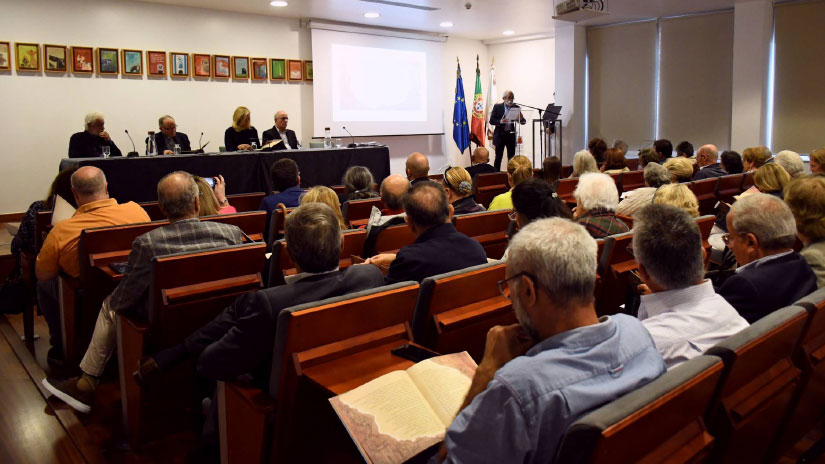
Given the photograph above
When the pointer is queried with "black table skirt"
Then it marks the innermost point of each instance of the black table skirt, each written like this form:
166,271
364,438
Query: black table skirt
136,179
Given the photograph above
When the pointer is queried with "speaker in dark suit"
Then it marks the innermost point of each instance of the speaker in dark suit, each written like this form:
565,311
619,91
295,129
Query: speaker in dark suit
504,134
281,121
168,136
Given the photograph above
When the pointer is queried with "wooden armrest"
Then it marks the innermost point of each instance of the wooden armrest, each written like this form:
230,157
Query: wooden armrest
254,398
133,325
469,314
206,289
761,389
493,237
491,187
818,356
102,259
626,266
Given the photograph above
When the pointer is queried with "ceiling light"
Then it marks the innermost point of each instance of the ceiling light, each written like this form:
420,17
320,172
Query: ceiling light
279,3
371,15
446,24
508,32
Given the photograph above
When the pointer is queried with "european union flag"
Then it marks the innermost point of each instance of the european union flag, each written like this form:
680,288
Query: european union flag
461,130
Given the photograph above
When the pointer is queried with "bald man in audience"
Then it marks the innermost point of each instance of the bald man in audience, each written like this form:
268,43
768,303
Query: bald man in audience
418,167
60,249
481,163
392,191
707,158
559,362
185,233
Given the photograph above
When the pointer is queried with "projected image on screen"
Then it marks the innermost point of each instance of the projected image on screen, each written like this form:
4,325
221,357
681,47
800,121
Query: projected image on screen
377,84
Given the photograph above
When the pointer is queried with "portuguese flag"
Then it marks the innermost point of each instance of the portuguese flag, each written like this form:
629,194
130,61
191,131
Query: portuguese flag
477,126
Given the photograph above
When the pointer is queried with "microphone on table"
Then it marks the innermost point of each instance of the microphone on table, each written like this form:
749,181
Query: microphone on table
353,144
134,152
200,144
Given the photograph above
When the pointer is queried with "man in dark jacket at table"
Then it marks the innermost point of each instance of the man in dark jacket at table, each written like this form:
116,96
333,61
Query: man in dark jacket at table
90,142
168,136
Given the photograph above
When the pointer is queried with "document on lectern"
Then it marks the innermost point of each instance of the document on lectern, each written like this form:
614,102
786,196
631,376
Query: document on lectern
400,414
513,114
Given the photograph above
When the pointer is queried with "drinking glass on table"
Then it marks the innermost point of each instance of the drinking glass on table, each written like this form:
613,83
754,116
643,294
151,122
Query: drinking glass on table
106,150
177,149
338,143
254,145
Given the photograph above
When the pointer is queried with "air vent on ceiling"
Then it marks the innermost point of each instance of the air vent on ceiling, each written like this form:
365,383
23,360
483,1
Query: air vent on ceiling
403,5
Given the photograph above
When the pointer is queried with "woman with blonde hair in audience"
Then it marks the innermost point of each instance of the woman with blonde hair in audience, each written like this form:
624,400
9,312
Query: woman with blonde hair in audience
242,134
459,187
817,162
805,196
519,169
583,162
678,195
213,199
771,179
327,196
680,169
754,158
614,162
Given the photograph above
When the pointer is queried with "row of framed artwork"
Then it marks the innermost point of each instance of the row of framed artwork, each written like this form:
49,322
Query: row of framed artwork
85,60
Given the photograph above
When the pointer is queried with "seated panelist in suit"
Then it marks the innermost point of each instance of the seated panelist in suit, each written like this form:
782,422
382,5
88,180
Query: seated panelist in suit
168,137
90,142
279,132
505,132
242,134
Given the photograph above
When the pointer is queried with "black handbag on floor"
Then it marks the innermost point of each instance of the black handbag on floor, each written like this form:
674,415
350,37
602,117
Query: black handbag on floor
14,296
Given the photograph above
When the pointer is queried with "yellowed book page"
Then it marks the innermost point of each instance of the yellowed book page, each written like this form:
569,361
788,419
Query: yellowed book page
444,382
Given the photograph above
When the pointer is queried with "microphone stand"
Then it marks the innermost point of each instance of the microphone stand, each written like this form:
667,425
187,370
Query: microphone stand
541,141
134,152
353,144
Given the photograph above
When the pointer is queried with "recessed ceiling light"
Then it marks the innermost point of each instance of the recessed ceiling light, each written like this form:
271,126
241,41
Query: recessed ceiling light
371,15
278,3
508,32
446,24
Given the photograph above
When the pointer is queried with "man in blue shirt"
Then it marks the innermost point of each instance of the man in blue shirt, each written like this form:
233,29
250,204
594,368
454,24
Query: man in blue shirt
558,363
286,181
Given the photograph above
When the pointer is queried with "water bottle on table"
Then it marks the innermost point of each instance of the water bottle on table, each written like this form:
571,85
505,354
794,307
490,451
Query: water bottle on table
327,138
151,149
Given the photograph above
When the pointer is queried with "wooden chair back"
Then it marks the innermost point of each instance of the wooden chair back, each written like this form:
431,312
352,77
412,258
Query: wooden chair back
565,188
152,209
729,186
616,262
42,226
339,189
281,263
487,186
359,210
489,228
747,181
252,223
705,191
393,238
566,171
617,179
632,180
632,164
277,219
244,202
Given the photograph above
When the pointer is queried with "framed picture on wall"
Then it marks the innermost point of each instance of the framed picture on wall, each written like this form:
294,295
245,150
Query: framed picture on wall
132,62
240,67
156,63
83,61
201,65
27,56
308,70
5,55
258,69
220,66
277,68
55,58
295,70
179,63
107,61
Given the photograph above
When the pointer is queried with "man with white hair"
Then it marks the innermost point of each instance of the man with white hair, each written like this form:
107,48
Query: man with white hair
791,161
707,158
680,308
596,202
558,363
90,142
761,235
280,132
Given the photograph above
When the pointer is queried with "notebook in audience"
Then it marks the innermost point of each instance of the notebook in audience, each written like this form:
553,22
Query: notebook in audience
119,268
62,210
400,414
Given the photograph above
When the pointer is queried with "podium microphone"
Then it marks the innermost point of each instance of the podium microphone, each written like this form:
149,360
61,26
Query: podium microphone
353,144
134,152
200,141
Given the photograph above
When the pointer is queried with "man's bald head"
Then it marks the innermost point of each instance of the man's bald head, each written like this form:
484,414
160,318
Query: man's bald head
426,205
88,185
178,196
481,156
393,189
707,155
418,166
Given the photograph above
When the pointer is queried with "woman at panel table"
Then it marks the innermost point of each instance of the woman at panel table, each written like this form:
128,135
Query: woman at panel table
213,199
241,135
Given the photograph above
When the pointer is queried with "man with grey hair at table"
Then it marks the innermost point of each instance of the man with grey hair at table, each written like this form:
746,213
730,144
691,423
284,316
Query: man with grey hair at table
90,142
559,362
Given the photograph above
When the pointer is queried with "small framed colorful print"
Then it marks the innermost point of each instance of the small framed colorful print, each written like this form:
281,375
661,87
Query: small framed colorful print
5,56
295,71
258,69
240,67
132,62
83,61
107,61
54,58
156,63
201,65
27,56
220,66
179,63
308,70
277,68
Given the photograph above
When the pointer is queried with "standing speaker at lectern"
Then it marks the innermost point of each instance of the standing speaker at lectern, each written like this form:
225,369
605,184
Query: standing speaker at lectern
505,133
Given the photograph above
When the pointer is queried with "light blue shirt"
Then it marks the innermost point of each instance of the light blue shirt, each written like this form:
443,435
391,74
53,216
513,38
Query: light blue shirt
532,400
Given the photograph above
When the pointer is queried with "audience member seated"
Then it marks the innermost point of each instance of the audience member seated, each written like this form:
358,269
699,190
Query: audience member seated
438,246
418,168
583,162
681,170
459,188
242,134
559,362
597,147
817,162
684,149
286,180
90,142
60,249
791,161
24,239
614,163
271,137
551,169
771,179
679,307
178,199
519,169
806,198
678,195
755,157
663,148
647,156
707,158
761,235
327,196
393,189
213,199
655,176
535,199
358,181
596,202
620,145
732,162
168,136
480,163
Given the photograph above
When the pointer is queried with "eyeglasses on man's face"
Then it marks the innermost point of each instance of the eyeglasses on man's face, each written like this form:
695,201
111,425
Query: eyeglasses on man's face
504,285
